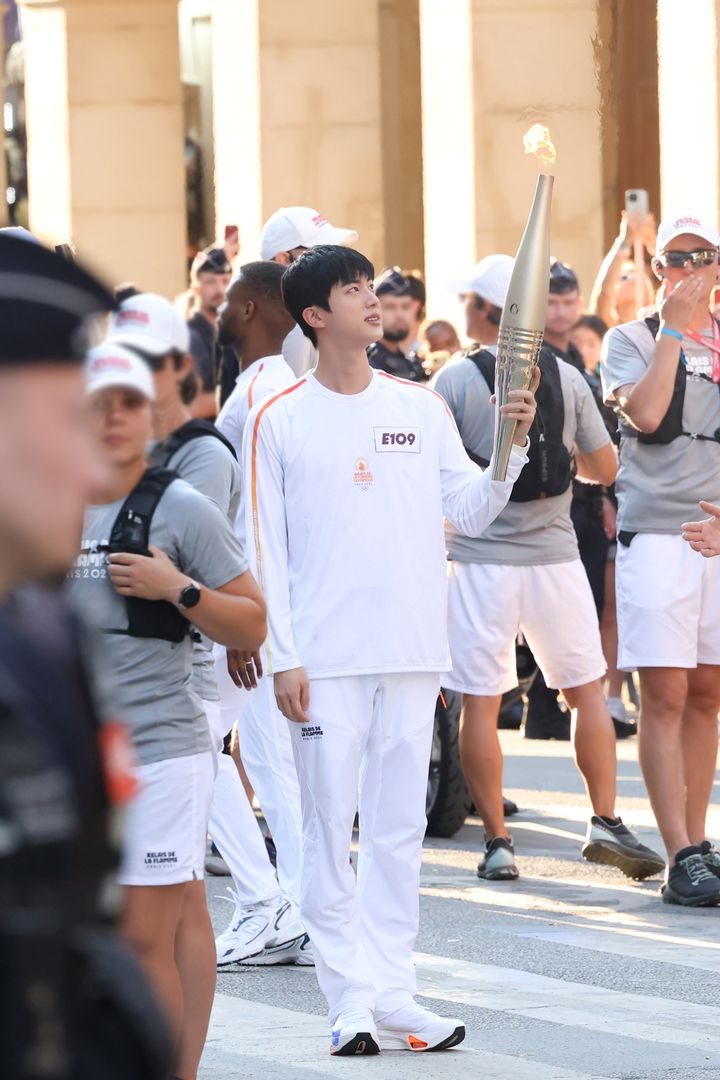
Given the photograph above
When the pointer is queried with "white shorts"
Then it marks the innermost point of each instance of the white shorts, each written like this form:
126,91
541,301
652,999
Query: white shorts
166,826
553,607
668,604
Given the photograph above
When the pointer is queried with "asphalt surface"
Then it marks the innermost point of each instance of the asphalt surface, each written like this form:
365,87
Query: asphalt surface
570,973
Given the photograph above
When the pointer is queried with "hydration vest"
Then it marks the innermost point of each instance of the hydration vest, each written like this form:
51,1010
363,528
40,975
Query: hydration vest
131,534
671,425
549,470
193,429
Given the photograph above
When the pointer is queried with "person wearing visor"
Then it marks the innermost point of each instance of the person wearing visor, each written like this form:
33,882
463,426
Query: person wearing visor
396,308
157,560
210,276
662,375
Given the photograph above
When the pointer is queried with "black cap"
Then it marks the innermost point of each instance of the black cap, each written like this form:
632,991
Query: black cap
45,301
391,282
563,278
211,261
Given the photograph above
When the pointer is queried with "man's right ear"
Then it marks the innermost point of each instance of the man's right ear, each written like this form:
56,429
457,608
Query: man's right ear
313,317
657,269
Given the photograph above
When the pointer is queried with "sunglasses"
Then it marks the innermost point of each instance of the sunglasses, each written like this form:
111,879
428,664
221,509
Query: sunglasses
677,259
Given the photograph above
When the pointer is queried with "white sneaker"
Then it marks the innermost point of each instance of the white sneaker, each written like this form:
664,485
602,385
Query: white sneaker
285,941
416,1028
354,1032
252,929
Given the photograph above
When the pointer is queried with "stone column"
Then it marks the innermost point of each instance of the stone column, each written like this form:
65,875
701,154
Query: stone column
296,90
105,135
689,156
490,69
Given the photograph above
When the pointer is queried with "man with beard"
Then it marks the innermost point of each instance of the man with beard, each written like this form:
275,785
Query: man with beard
396,308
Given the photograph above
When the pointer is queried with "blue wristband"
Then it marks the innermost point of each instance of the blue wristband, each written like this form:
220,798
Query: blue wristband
669,332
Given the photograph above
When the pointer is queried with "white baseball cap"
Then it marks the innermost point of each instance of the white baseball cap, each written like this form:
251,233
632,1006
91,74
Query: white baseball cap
695,224
110,365
150,323
299,226
489,279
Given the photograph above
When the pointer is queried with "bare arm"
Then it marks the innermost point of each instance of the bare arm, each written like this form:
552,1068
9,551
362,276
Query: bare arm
609,275
600,467
233,615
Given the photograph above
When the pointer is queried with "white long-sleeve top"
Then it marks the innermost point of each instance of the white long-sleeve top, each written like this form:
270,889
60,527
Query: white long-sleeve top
344,518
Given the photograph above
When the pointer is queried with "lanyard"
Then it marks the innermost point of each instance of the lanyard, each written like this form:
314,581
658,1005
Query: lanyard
713,345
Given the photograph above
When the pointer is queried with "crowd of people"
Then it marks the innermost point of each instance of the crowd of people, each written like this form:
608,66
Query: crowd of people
290,539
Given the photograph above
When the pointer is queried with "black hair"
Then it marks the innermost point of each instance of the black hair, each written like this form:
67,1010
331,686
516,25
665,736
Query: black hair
309,280
594,323
262,282
416,288
563,278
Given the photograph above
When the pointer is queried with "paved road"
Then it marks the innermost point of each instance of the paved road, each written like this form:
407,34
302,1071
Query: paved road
570,973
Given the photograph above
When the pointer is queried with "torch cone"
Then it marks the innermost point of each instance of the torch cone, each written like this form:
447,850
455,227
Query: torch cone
523,318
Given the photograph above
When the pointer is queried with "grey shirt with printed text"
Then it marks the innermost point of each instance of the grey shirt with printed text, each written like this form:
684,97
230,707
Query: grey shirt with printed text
659,486
530,533
153,677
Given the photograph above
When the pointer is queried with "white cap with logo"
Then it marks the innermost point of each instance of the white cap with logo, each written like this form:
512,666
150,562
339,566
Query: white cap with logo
488,279
110,366
150,323
693,224
299,226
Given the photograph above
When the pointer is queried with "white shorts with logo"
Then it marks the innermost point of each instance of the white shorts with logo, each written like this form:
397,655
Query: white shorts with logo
552,606
668,604
166,826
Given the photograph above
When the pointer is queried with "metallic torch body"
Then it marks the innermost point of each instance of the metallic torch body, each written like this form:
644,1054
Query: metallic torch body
523,318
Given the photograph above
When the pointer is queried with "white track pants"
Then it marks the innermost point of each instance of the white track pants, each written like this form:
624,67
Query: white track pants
369,736
233,825
267,755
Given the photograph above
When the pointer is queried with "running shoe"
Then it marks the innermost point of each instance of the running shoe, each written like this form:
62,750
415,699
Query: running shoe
305,957
498,861
287,943
353,1033
612,844
689,882
711,857
257,928
416,1028
623,724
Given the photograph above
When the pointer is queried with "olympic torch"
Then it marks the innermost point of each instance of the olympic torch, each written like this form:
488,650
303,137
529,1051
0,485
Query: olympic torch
523,318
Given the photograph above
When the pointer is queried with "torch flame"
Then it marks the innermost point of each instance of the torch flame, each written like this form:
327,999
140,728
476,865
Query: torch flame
537,141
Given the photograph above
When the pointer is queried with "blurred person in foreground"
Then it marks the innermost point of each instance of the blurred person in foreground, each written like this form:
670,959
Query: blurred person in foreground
661,374
438,341
209,278
396,307
613,294
73,1003
158,561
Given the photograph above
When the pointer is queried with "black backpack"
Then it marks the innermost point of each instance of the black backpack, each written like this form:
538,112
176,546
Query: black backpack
671,425
193,429
549,470
131,533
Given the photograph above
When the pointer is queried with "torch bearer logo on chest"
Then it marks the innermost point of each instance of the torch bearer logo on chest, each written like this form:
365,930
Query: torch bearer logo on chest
523,318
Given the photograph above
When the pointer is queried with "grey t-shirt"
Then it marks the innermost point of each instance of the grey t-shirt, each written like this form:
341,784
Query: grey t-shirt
530,533
208,466
153,677
659,487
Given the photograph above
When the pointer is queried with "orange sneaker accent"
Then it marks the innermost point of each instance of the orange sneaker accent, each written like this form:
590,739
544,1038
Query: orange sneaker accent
416,1044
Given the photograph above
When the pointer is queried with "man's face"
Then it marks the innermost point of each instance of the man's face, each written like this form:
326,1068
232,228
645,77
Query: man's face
397,314
562,312
475,317
48,468
285,258
354,318
121,422
210,291
228,328
168,376
672,275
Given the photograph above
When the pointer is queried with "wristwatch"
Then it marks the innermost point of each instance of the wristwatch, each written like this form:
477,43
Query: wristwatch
190,596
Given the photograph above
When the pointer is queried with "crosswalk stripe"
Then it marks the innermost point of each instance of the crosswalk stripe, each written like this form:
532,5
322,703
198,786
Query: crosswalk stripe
244,1031
579,1005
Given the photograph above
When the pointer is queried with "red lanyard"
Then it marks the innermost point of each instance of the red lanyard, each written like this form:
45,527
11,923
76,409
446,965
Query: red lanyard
713,345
